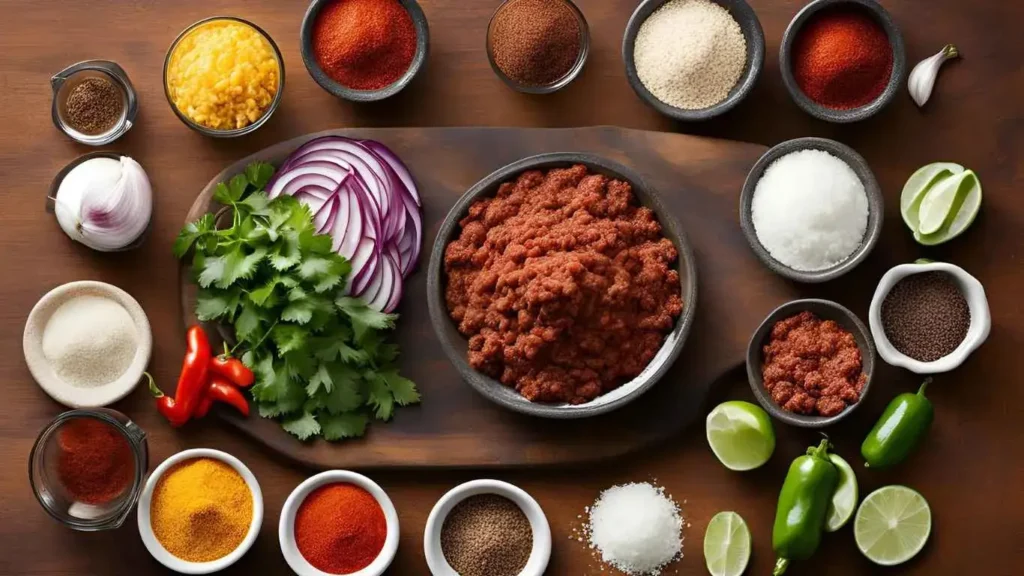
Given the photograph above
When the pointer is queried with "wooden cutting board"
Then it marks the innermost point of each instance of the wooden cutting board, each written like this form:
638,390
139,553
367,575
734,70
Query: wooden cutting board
699,180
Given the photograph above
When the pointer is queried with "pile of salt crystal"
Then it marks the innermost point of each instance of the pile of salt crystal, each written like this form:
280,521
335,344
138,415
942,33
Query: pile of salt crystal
636,528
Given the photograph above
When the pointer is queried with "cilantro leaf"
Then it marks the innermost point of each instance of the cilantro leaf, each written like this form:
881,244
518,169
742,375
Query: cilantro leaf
286,253
339,426
288,337
320,380
363,317
268,410
222,194
380,398
300,365
248,322
257,203
262,296
271,381
236,187
214,304
345,396
192,232
316,243
259,174
299,312
402,389
302,427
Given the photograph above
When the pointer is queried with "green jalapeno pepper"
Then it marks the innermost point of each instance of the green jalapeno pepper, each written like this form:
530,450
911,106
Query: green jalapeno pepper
899,430
803,506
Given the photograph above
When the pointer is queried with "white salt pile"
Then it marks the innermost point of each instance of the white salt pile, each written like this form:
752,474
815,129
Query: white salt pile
636,528
810,210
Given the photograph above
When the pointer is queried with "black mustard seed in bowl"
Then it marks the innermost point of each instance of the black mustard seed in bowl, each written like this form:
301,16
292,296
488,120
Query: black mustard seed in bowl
926,316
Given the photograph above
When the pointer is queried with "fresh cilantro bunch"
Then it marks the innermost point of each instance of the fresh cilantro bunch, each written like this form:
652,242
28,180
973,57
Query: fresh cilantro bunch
321,362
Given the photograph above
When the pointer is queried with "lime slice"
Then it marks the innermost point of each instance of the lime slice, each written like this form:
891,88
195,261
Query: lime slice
918,184
964,210
844,500
892,525
939,204
740,435
727,545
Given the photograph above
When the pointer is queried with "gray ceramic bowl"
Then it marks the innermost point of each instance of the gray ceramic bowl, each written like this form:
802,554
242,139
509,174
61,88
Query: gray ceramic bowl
752,32
876,207
455,344
245,129
826,310
419,21
557,84
899,63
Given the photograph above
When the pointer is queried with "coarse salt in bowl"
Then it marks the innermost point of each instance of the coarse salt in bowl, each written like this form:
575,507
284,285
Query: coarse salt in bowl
286,528
157,550
539,556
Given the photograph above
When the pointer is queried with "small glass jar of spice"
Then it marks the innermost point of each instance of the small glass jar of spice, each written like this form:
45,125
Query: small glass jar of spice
537,46
94,102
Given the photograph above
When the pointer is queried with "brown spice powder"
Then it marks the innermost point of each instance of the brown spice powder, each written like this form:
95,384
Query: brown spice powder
94,106
535,42
487,535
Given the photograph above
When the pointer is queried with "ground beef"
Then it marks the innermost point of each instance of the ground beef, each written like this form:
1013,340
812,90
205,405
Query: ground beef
812,366
563,284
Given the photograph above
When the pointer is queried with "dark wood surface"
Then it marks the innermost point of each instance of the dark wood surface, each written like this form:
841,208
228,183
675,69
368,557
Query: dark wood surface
969,468
695,178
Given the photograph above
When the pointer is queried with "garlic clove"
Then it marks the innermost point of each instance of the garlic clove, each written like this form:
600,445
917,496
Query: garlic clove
922,78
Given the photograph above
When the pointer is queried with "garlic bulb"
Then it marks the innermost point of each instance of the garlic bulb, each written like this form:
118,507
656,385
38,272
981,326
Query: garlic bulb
922,77
104,203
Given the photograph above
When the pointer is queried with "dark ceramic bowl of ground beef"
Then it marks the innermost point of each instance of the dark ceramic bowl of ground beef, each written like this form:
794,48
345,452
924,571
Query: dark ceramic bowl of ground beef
827,311
623,366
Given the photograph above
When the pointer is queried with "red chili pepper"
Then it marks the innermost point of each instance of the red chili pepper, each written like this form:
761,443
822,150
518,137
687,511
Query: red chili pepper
223,391
233,369
204,405
191,382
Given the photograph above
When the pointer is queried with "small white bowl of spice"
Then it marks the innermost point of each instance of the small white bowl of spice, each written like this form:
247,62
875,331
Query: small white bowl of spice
87,343
487,528
928,317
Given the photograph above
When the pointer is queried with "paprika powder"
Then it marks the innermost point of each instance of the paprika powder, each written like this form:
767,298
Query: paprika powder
340,528
95,463
842,59
364,44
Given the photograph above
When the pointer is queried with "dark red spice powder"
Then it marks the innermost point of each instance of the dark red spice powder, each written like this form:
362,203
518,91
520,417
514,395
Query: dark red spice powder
842,59
364,44
95,463
340,528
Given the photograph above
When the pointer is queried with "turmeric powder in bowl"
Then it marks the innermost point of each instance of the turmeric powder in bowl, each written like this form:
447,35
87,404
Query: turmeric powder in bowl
222,74
201,510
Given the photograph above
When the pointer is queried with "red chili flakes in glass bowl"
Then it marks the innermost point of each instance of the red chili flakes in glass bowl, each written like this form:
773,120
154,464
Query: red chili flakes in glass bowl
812,366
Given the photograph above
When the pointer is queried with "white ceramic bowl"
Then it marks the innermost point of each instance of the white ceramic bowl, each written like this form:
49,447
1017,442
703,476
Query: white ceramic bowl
286,529
183,566
541,553
43,372
974,293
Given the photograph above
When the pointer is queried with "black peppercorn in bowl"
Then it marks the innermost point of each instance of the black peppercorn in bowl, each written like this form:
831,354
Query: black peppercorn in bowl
978,328
419,22
842,115
121,112
505,64
753,35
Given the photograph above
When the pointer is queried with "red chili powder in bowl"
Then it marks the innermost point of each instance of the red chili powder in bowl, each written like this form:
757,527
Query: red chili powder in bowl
95,463
842,59
364,44
340,528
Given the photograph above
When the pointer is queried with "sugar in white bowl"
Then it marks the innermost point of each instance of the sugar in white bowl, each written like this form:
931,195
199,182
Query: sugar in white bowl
810,210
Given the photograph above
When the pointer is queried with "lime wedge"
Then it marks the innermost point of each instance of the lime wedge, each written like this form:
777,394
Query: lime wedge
740,435
964,210
939,203
727,545
844,500
892,525
918,184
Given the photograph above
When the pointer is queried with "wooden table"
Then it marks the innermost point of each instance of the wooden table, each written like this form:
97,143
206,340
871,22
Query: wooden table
969,468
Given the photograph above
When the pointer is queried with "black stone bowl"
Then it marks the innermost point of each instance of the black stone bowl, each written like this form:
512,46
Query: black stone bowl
419,20
826,310
876,208
899,61
455,345
752,32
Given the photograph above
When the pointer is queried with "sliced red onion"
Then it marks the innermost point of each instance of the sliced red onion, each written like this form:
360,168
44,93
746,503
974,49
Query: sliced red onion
363,195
